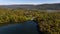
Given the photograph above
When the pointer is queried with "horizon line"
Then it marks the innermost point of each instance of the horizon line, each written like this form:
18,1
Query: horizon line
28,3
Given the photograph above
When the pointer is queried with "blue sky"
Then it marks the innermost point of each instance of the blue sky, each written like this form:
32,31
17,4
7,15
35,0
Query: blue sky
8,2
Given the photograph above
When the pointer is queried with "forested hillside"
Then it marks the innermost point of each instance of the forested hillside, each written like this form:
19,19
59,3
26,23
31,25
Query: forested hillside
55,6
49,22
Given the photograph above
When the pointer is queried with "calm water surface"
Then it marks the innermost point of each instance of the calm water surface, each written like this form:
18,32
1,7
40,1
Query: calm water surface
30,27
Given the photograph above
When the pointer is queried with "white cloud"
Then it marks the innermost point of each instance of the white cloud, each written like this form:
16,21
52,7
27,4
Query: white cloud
9,2
18,3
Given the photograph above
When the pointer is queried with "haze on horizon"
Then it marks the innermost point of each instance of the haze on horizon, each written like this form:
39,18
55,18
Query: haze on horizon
9,2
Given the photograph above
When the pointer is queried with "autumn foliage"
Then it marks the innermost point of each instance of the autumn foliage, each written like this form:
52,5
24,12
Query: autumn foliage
49,22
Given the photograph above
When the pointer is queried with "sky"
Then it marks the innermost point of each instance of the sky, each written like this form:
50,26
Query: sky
9,2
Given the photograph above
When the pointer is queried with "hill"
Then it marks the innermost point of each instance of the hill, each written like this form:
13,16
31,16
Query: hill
55,6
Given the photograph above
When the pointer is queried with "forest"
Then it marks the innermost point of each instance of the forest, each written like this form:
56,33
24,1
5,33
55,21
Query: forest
49,22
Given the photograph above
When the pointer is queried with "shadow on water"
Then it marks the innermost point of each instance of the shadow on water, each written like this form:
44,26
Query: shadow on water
30,27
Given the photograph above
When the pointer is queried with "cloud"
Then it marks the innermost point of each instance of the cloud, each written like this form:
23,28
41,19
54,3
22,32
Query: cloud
18,3
9,2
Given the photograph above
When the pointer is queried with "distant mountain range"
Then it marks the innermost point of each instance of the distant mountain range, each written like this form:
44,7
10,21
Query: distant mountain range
55,6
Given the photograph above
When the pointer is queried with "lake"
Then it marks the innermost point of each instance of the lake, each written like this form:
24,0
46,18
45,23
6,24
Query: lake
29,27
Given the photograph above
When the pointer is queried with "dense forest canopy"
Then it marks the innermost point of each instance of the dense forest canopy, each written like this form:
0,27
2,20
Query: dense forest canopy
49,22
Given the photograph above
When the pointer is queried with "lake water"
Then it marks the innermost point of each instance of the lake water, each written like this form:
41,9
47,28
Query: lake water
30,27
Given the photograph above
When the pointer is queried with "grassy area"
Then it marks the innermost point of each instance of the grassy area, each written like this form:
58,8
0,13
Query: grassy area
49,22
